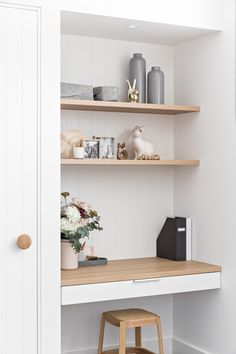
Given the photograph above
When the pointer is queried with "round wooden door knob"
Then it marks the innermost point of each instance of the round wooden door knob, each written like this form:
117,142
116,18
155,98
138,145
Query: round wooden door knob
24,241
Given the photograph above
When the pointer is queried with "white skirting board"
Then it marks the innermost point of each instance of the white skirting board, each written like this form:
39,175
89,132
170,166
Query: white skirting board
172,346
150,344
180,347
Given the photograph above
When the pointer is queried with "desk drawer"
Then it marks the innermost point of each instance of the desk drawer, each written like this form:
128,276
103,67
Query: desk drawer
78,294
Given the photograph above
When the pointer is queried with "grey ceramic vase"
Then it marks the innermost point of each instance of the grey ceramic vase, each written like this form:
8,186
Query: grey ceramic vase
137,70
155,83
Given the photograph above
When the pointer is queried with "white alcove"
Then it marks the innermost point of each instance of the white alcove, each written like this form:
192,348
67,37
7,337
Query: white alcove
133,201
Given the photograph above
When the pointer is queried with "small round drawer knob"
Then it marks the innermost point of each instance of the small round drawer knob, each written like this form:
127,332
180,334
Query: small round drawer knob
24,241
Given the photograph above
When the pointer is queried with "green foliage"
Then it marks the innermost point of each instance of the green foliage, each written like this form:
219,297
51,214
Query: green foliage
88,219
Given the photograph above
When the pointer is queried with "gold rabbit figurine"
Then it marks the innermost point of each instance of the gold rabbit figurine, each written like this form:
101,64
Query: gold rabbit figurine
132,92
122,153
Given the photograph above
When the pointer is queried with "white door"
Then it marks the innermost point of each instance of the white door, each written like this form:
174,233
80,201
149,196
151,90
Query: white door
19,122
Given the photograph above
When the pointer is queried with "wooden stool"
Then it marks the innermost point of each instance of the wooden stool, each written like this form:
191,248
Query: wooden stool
130,318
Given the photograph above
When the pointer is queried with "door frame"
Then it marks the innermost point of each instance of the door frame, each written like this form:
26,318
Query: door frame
49,249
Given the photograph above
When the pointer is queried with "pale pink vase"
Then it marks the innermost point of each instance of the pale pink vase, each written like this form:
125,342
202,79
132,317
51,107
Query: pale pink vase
69,259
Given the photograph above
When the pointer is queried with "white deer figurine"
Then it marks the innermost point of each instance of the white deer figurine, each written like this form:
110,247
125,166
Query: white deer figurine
141,146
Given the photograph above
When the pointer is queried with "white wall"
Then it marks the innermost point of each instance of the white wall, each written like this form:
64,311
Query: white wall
80,324
204,74
193,13
133,202
211,242
99,61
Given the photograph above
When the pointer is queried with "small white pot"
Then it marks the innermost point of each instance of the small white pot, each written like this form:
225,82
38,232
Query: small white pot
78,152
69,259
81,256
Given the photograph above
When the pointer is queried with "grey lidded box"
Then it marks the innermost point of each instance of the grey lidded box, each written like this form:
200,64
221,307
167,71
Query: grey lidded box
106,93
76,91
93,262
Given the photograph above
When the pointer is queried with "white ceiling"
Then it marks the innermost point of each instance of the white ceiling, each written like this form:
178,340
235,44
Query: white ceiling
116,28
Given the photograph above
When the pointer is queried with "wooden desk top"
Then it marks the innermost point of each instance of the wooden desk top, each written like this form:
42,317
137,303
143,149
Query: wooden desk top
134,269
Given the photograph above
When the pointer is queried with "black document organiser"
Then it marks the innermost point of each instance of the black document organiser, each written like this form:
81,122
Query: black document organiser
171,242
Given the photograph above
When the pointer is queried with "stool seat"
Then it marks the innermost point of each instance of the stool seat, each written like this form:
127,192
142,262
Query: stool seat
132,317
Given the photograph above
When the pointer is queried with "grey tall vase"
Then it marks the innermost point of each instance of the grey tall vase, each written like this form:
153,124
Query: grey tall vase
155,83
137,70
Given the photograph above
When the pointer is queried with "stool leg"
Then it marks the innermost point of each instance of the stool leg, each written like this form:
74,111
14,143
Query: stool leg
101,335
159,334
122,341
138,340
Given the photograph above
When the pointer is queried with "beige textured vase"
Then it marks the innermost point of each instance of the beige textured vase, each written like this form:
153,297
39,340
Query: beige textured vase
69,259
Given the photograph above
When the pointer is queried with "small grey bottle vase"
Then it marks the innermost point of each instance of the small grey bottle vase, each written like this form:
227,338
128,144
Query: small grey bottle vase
155,83
137,70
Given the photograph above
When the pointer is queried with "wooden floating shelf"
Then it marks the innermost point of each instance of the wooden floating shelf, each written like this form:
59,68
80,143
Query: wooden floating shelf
114,162
126,107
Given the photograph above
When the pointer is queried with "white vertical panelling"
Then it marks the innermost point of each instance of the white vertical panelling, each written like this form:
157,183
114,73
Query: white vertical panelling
29,131
3,251
13,165
132,201
19,99
99,62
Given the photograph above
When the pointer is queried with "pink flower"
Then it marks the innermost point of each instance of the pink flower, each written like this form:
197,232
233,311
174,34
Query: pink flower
84,206
83,222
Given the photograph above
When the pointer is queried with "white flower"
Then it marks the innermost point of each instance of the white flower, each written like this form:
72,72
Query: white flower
69,226
73,214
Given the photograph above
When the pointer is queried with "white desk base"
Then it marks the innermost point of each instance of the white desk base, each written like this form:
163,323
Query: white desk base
80,294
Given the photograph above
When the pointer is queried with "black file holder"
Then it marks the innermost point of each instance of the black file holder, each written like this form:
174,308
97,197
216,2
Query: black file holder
171,241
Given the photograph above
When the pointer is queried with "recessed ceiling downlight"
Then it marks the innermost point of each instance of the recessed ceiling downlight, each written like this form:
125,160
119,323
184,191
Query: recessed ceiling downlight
132,26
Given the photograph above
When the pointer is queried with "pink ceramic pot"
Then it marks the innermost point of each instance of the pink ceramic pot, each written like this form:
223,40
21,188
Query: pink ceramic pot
69,259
